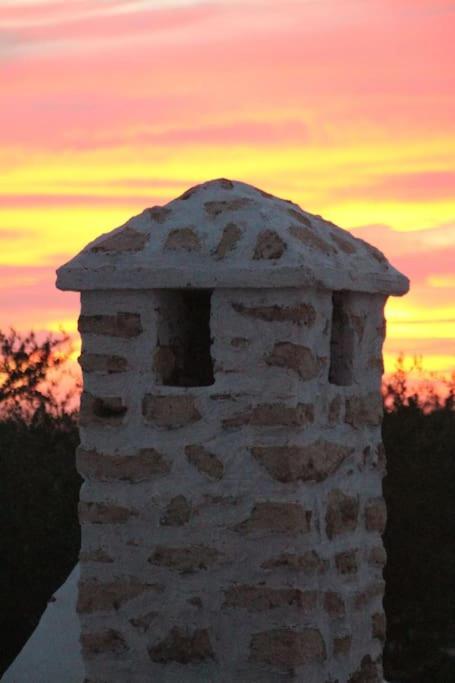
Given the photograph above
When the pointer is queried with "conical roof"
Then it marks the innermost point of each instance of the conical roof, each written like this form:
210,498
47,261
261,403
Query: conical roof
226,233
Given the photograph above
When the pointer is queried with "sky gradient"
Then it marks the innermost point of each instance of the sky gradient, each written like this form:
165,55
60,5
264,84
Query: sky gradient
347,107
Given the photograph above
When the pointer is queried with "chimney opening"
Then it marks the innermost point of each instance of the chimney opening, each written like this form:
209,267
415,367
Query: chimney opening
341,342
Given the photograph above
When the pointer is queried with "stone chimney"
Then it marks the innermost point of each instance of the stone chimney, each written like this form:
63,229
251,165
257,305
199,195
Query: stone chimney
231,449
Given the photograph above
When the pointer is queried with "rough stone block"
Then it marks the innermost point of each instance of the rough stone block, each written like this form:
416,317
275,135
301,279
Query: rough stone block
183,647
170,411
206,462
126,325
295,357
108,641
96,596
376,515
284,518
261,598
287,648
105,513
103,363
145,465
185,559
342,513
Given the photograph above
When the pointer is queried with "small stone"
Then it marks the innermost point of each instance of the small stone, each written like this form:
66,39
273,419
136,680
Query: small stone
178,512
376,515
102,642
214,209
183,239
314,462
186,559
334,605
99,362
126,325
342,513
107,410
374,590
170,411
300,314
273,414
240,342
231,235
204,461
379,626
183,647
260,598
342,646
164,363
364,411
346,563
159,214
144,465
344,241
309,562
287,648
310,238
377,557
269,246
295,357
125,239
95,596
282,518
300,217
105,513
367,673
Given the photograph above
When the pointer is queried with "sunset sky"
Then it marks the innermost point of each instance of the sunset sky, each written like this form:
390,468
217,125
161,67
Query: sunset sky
347,107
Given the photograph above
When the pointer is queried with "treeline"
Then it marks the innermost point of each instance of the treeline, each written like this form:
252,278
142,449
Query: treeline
39,490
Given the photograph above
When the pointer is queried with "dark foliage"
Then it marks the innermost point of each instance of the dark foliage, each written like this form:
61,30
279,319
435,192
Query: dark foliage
419,439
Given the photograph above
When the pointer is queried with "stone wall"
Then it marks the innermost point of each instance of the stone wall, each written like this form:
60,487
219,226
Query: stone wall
232,532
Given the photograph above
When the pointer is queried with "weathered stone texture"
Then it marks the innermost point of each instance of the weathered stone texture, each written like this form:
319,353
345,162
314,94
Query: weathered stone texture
260,598
314,462
309,562
284,518
107,410
105,513
127,239
376,515
183,647
185,559
364,411
206,462
178,512
95,596
99,362
183,239
273,415
269,246
126,325
103,642
299,314
298,358
342,513
231,235
170,411
286,648
144,465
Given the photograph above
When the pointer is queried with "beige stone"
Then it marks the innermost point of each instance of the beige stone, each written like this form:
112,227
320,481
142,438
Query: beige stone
143,622
368,672
144,465
376,515
206,462
342,513
334,604
216,208
295,357
284,518
311,239
299,314
99,362
185,559
334,411
377,557
287,648
231,235
183,239
170,411
314,462
372,591
183,646
105,513
96,555
178,512
159,214
309,562
269,246
107,410
96,596
102,642
379,626
342,646
273,414
260,598
346,562
364,411
127,239
126,325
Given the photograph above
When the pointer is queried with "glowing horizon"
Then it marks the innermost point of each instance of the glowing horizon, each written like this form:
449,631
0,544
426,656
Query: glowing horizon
346,108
